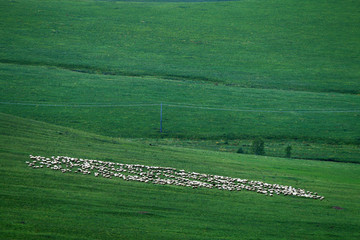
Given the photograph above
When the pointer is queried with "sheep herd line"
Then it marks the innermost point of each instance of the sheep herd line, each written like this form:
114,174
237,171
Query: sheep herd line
163,176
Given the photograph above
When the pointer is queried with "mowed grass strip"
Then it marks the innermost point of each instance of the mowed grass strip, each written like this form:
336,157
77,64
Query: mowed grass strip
291,45
40,203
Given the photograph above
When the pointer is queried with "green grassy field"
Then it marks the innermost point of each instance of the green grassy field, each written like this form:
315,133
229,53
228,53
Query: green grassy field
41,204
86,79
236,114
121,53
291,45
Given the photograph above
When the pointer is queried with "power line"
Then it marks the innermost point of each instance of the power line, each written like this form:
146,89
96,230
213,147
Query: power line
161,113
264,110
182,105
86,105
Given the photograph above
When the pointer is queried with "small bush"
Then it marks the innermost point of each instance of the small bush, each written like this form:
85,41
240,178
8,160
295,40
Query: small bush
240,150
288,151
257,147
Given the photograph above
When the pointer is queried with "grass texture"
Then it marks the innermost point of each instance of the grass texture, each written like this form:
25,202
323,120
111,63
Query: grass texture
291,45
117,106
40,203
86,79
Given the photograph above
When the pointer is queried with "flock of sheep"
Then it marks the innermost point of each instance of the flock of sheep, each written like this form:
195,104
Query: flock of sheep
163,176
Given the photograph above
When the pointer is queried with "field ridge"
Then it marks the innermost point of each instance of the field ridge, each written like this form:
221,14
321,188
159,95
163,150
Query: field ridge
102,71
86,69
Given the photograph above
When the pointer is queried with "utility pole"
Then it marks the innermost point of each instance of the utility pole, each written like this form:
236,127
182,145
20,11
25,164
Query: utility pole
161,118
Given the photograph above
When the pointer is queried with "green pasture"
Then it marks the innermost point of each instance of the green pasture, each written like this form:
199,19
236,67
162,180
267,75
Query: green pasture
86,79
292,45
41,203
299,149
284,71
318,125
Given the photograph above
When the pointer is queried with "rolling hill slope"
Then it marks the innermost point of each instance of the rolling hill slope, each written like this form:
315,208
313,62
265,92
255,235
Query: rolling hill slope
291,45
321,126
226,71
41,203
87,78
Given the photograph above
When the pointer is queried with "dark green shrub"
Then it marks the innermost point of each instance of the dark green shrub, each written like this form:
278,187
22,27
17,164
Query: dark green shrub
288,151
240,150
257,147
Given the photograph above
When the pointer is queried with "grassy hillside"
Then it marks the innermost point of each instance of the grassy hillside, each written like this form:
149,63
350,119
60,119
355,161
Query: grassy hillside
233,70
86,79
292,45
39,204
318,125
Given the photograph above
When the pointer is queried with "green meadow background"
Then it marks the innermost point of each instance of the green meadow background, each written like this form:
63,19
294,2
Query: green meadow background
87,78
